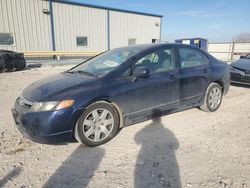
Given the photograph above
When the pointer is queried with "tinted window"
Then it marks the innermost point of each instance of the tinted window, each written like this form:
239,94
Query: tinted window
191,57
159,61
81,41
6,39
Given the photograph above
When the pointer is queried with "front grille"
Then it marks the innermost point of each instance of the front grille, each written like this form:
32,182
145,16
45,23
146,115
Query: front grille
235,76
245,78
240,78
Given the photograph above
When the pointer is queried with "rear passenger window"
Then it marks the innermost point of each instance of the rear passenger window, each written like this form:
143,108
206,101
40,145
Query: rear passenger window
191,57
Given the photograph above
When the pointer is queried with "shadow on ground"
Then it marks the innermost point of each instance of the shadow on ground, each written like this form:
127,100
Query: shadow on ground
156,162
78,169
13,173
33,66
240,85
28,67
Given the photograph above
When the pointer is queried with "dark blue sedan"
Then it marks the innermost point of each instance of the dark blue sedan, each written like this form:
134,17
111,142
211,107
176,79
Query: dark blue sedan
124,86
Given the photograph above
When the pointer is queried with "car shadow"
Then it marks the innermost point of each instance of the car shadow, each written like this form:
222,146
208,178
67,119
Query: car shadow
78,169
156,163
28,67
240,85
13,173
33,66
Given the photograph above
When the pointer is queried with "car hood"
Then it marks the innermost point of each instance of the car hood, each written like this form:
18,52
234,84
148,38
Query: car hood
242,64
57,87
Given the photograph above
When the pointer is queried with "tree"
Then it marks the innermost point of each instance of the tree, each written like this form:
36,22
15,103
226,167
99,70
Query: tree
242,37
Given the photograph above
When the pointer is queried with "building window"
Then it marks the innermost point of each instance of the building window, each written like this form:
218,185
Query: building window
154,40
131,41
6,39
81,41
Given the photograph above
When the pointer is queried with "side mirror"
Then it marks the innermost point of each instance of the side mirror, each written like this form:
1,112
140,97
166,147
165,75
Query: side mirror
242,57
141,72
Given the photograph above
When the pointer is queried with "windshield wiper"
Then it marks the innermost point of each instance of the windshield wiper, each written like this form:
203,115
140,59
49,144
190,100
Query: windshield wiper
82,72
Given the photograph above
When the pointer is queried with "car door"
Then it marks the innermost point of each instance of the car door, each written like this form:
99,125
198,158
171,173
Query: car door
140,98
195,73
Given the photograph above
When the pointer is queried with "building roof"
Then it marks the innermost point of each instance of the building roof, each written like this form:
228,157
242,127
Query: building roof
105,8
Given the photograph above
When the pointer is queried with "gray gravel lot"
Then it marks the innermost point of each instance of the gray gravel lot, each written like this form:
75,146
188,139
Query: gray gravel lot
187,149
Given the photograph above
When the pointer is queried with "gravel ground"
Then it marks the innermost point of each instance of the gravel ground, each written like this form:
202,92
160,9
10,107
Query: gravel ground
187,149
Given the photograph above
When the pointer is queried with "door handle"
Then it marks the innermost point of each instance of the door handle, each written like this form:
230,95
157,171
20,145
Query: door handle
206,70
172,77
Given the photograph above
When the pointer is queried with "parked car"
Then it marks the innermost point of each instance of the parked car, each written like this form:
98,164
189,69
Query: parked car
124,86
240,70
10,60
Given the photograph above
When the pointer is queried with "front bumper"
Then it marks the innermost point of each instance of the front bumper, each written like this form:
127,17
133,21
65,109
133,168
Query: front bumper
240,78
48,127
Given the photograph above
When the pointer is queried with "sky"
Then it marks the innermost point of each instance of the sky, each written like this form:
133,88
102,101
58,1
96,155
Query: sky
216,20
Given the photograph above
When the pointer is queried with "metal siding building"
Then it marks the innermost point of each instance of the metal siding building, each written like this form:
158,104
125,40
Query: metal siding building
97,28
26,21
125,26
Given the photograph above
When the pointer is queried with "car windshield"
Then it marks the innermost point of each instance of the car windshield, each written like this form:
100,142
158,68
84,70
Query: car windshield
106,62
248,56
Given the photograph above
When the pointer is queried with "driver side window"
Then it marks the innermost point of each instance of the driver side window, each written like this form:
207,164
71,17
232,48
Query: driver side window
159,61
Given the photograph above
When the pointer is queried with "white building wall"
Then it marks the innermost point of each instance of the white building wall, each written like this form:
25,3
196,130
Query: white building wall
125,26
32,30
221,51
228,51
71,21
30,26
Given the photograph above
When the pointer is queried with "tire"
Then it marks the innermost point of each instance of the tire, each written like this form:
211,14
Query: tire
213,98
9,66
97,125
19,64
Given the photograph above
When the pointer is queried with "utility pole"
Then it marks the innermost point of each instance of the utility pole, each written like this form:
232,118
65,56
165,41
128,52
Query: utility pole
232,52
52,25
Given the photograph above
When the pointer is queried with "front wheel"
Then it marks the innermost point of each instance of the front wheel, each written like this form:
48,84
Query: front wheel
213,98
97,124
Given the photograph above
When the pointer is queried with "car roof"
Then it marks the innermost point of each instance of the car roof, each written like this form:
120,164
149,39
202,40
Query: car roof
142,46
155,45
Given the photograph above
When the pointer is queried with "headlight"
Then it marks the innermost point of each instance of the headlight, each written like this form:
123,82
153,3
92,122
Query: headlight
234,69
52,105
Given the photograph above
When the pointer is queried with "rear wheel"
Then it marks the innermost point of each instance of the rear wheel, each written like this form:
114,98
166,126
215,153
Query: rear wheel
213,98
97,125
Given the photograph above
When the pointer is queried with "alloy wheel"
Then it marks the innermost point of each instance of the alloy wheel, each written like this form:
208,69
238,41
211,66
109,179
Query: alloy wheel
214,98
98,124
